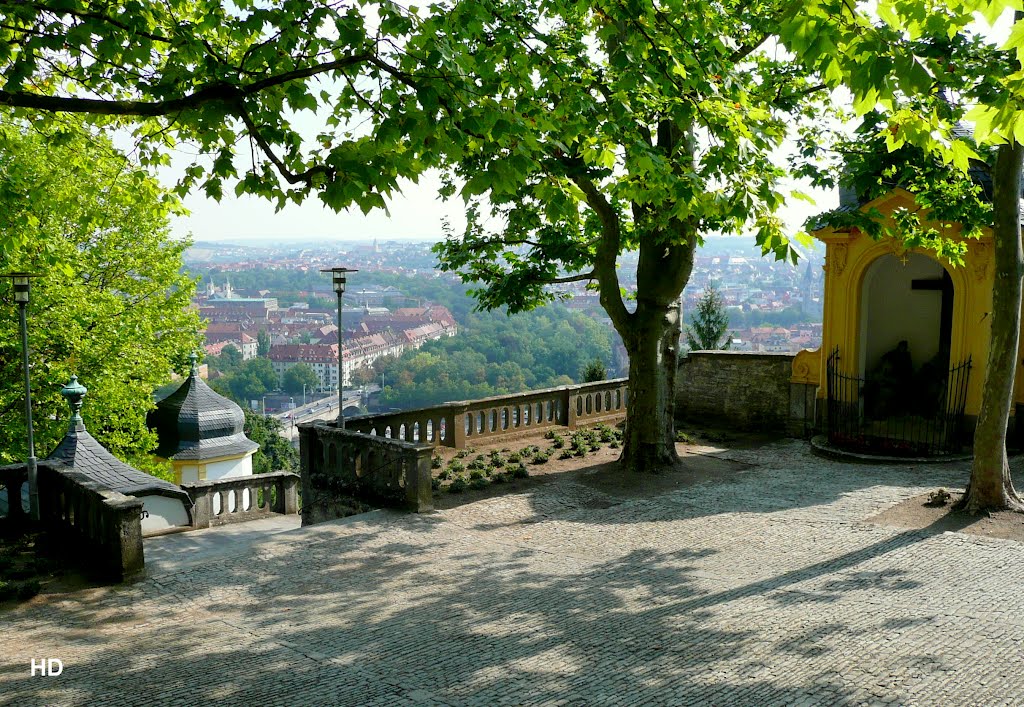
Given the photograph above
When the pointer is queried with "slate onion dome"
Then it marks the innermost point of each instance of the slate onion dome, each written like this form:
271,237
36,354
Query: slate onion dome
196,424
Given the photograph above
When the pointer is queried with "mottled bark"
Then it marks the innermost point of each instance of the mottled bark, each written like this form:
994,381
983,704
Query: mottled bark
649,442
990,487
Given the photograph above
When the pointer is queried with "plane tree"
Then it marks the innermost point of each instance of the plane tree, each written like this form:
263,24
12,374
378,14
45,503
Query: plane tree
574,131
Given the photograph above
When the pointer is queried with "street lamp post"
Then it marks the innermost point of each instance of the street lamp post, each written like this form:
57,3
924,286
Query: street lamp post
21,282
338,281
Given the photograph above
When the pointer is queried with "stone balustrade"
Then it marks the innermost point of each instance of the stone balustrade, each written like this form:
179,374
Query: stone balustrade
13,479
100,529
342,465
242,498
501,417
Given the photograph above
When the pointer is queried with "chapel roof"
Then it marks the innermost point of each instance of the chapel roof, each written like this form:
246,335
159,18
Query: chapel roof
196,423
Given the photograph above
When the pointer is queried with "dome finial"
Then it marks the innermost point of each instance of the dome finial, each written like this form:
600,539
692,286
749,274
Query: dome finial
73,392
194,358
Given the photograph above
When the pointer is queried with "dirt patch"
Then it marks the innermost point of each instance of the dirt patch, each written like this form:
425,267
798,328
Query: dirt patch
598,469
695,466
915,514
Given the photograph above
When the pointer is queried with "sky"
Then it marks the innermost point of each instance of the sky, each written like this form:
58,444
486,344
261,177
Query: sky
418,213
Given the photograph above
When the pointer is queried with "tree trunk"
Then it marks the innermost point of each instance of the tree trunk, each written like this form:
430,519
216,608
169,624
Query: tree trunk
990,487
649,441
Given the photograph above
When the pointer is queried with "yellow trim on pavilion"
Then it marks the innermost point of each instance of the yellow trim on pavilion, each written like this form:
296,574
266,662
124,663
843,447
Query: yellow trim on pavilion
849,254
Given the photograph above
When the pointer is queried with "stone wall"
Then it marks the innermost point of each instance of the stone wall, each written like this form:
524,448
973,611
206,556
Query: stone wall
735,389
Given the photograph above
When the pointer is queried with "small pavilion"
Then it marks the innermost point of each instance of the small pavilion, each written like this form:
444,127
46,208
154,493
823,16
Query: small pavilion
201,432
905,337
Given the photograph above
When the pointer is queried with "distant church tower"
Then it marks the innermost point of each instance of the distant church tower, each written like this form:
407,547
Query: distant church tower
807,289
376,246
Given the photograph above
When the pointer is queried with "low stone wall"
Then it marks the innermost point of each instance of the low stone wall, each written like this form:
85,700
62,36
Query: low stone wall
243,498
736,389
338,465
101,530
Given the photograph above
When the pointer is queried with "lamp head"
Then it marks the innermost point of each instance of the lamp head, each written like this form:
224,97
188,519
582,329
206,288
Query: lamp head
338,278
22,284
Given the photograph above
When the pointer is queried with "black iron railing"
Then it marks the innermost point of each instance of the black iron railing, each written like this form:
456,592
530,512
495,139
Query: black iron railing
899,416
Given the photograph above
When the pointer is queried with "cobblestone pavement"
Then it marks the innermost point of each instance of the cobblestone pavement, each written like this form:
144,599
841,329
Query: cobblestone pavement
764,587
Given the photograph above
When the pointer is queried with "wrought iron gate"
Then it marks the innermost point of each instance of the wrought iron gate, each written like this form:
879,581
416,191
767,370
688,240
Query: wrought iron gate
923,426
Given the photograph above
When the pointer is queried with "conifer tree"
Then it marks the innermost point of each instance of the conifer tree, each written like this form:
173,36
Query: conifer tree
709,323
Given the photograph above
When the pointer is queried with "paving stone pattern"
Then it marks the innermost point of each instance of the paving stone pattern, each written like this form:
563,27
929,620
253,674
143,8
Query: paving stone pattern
763,588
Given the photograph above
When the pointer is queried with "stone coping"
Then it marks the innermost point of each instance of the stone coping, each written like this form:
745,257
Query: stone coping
821,447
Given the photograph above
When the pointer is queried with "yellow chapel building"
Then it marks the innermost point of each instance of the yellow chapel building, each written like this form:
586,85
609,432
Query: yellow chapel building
905,339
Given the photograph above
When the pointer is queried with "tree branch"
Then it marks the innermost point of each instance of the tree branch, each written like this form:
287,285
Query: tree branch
607,251
211,93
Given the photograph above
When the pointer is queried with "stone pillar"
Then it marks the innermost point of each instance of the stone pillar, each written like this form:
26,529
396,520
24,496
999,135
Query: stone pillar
307,466
570,408
418,493
290,494
126,556
202,504
457,416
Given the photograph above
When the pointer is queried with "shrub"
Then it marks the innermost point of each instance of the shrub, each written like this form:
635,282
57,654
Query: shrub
614,444
541,457
456,467
478,484
445,475
514,458
558,441
550,434
435,463
684,438
605,433
476,474
499,478
520,472
478,464
28,589
462,454
566,454
435,484
458,485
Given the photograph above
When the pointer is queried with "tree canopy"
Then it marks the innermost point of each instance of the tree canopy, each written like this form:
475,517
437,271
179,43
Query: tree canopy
298,378
111,304
493,355
573,130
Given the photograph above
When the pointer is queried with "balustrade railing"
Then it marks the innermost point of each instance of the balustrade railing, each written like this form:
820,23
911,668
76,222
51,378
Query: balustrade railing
339,466
99,528
486,420
242,498
13,478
